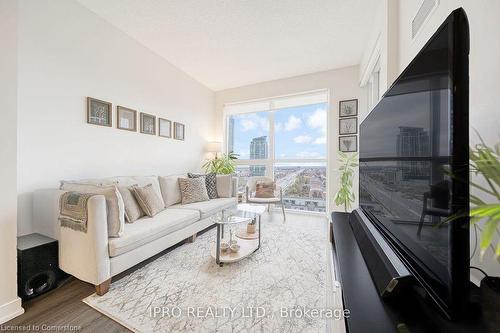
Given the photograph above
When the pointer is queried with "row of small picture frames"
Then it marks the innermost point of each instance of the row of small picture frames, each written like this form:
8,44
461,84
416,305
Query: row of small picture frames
348,125
101,113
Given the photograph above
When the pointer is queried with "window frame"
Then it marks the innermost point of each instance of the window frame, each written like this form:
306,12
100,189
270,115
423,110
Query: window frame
271,159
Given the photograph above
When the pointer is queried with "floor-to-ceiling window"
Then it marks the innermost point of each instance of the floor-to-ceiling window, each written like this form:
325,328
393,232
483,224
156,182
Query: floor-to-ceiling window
284,138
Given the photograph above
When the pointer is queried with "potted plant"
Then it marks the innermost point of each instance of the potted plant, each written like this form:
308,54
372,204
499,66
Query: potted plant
485,206
222,165
252,227
345,196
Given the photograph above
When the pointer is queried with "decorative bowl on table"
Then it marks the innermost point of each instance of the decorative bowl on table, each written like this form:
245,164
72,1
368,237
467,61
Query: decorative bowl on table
234,247
224,246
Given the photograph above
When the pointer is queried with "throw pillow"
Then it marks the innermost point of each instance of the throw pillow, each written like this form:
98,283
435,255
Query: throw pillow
224,186
114,204
193,190
264,189
170,189
210,183
147,198
133,210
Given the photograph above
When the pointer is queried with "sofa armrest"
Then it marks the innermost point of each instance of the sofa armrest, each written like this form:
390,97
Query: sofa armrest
85,254
234,187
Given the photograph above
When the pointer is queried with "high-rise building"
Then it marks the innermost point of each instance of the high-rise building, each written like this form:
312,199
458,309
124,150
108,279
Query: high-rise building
230,135
413,142
258,150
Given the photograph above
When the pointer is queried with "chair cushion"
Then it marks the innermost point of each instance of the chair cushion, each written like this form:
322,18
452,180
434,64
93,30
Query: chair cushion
148,229
211,207
264,189
263,200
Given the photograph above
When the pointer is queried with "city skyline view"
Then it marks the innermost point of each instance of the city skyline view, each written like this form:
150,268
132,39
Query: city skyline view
300,132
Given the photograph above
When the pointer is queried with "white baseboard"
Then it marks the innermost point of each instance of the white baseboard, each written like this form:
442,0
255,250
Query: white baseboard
10,310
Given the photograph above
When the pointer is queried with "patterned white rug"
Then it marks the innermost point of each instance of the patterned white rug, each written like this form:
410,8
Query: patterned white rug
270,291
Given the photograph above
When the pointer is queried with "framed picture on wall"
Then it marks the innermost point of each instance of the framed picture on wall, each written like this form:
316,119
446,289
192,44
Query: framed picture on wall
179,130
164,128
348,126
99,112
126,119
348,108
148,124
348,143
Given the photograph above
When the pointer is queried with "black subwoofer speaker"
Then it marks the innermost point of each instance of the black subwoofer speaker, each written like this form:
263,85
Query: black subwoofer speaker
37,265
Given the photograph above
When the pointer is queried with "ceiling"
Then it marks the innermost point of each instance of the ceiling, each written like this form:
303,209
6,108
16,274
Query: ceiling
231,43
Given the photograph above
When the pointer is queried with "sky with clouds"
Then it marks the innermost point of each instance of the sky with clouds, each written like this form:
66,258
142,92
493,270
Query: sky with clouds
300,132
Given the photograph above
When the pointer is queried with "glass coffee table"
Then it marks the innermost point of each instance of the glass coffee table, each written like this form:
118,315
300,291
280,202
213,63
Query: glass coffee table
229,247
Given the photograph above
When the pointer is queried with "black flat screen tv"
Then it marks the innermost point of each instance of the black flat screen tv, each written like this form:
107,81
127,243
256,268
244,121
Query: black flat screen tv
414,165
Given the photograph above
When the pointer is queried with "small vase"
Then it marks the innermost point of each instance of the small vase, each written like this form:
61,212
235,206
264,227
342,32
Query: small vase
251,228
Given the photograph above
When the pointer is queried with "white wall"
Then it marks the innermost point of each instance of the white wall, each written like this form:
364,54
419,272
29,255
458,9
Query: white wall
484,72
382,45
342,83
67,53
10,304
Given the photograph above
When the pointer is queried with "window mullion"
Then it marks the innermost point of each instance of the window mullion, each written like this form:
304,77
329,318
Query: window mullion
270,161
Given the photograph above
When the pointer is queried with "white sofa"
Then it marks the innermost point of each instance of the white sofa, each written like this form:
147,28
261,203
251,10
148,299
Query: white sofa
95,258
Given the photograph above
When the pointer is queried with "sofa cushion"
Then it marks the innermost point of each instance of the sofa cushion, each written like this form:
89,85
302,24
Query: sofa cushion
193,190
149,201
170,190
224,186
148,229
97,182
210,183
140,181
133,211
209,208
114,204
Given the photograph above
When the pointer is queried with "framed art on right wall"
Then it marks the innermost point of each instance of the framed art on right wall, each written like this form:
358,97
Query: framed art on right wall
348,108
348,143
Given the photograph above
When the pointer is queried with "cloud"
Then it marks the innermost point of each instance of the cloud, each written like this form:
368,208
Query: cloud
293,123
278,127
308,154
318,120
302,139
253,122
247,125
320,141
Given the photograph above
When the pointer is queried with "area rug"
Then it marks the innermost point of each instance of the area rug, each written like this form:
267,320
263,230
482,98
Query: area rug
273,290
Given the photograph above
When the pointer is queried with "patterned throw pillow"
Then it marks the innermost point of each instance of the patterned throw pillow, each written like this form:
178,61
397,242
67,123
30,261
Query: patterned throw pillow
133,210
264,189
193,190
210,183
147,198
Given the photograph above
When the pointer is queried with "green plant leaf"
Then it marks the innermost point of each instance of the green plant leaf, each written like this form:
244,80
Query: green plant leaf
487,236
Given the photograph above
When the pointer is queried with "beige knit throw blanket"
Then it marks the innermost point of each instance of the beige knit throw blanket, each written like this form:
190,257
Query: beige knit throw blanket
73,210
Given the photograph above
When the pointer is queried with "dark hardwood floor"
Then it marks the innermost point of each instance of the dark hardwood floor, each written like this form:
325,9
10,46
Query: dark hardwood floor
63,306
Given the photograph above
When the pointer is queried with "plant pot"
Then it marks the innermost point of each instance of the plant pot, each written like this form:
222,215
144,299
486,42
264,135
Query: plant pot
251,228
